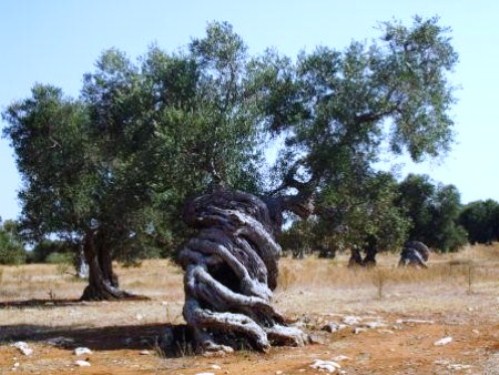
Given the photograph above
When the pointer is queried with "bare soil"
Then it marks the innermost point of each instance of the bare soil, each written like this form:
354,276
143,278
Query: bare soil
400,313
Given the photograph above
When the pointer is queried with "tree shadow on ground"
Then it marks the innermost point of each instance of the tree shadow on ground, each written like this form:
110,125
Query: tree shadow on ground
40,303
138,337
51,303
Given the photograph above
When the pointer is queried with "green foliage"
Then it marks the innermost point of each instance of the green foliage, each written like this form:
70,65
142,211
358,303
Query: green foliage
481,221
369,212
11,248
59,258
116,165
333,107
434,211
45,248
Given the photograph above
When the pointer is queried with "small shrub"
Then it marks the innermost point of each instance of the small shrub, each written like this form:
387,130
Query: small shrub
12,254
379,279
59,258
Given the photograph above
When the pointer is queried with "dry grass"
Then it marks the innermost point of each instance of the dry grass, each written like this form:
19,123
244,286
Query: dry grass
460,292
466,281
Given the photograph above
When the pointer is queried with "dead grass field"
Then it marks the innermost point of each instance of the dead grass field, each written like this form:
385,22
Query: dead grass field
458,297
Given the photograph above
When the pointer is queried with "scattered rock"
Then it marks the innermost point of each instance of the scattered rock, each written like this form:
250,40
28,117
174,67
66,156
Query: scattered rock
316,339
219,353
443,341
414,321
60,341
23,347
333,327
351,320
82,363
82,351
373,325
458,367
329,366
358,330
441,362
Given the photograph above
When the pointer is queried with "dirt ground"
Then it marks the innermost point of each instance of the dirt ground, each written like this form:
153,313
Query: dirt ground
389,320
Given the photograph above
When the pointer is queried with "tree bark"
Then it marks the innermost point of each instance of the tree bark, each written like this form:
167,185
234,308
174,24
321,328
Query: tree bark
102,281
370,249
230,272
414,254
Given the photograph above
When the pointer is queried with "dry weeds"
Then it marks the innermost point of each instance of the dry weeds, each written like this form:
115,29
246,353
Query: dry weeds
459,292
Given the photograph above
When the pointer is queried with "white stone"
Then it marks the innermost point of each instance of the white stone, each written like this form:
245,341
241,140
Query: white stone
205,373
329,366
82,351
458,367
215,367
145,352
81,363
441,362
358,330
374,325
443,341
351,320
23,347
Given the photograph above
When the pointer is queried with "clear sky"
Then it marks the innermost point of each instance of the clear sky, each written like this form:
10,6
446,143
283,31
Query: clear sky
57,41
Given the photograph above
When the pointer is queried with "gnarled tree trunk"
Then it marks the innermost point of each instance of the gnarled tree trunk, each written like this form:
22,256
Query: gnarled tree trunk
231,270
414,254
102,281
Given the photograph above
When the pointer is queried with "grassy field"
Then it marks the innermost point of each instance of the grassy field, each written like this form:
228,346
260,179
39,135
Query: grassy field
458,297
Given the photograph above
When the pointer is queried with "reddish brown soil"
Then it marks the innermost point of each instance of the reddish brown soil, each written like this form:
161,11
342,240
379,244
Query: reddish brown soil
406,348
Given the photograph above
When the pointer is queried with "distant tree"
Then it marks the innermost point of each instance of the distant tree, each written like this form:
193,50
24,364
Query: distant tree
481,221
369,220
11,247
433,211
43,249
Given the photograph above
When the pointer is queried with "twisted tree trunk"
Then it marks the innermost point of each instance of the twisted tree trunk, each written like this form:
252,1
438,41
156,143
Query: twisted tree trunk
231,270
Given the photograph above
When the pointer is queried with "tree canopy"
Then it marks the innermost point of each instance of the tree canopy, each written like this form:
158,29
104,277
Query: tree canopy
481,221
434,211
110,170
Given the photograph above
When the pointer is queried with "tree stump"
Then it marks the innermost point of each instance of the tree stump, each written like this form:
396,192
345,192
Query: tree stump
230,272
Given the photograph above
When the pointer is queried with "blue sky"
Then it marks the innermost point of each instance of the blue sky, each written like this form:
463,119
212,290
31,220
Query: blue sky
57,41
